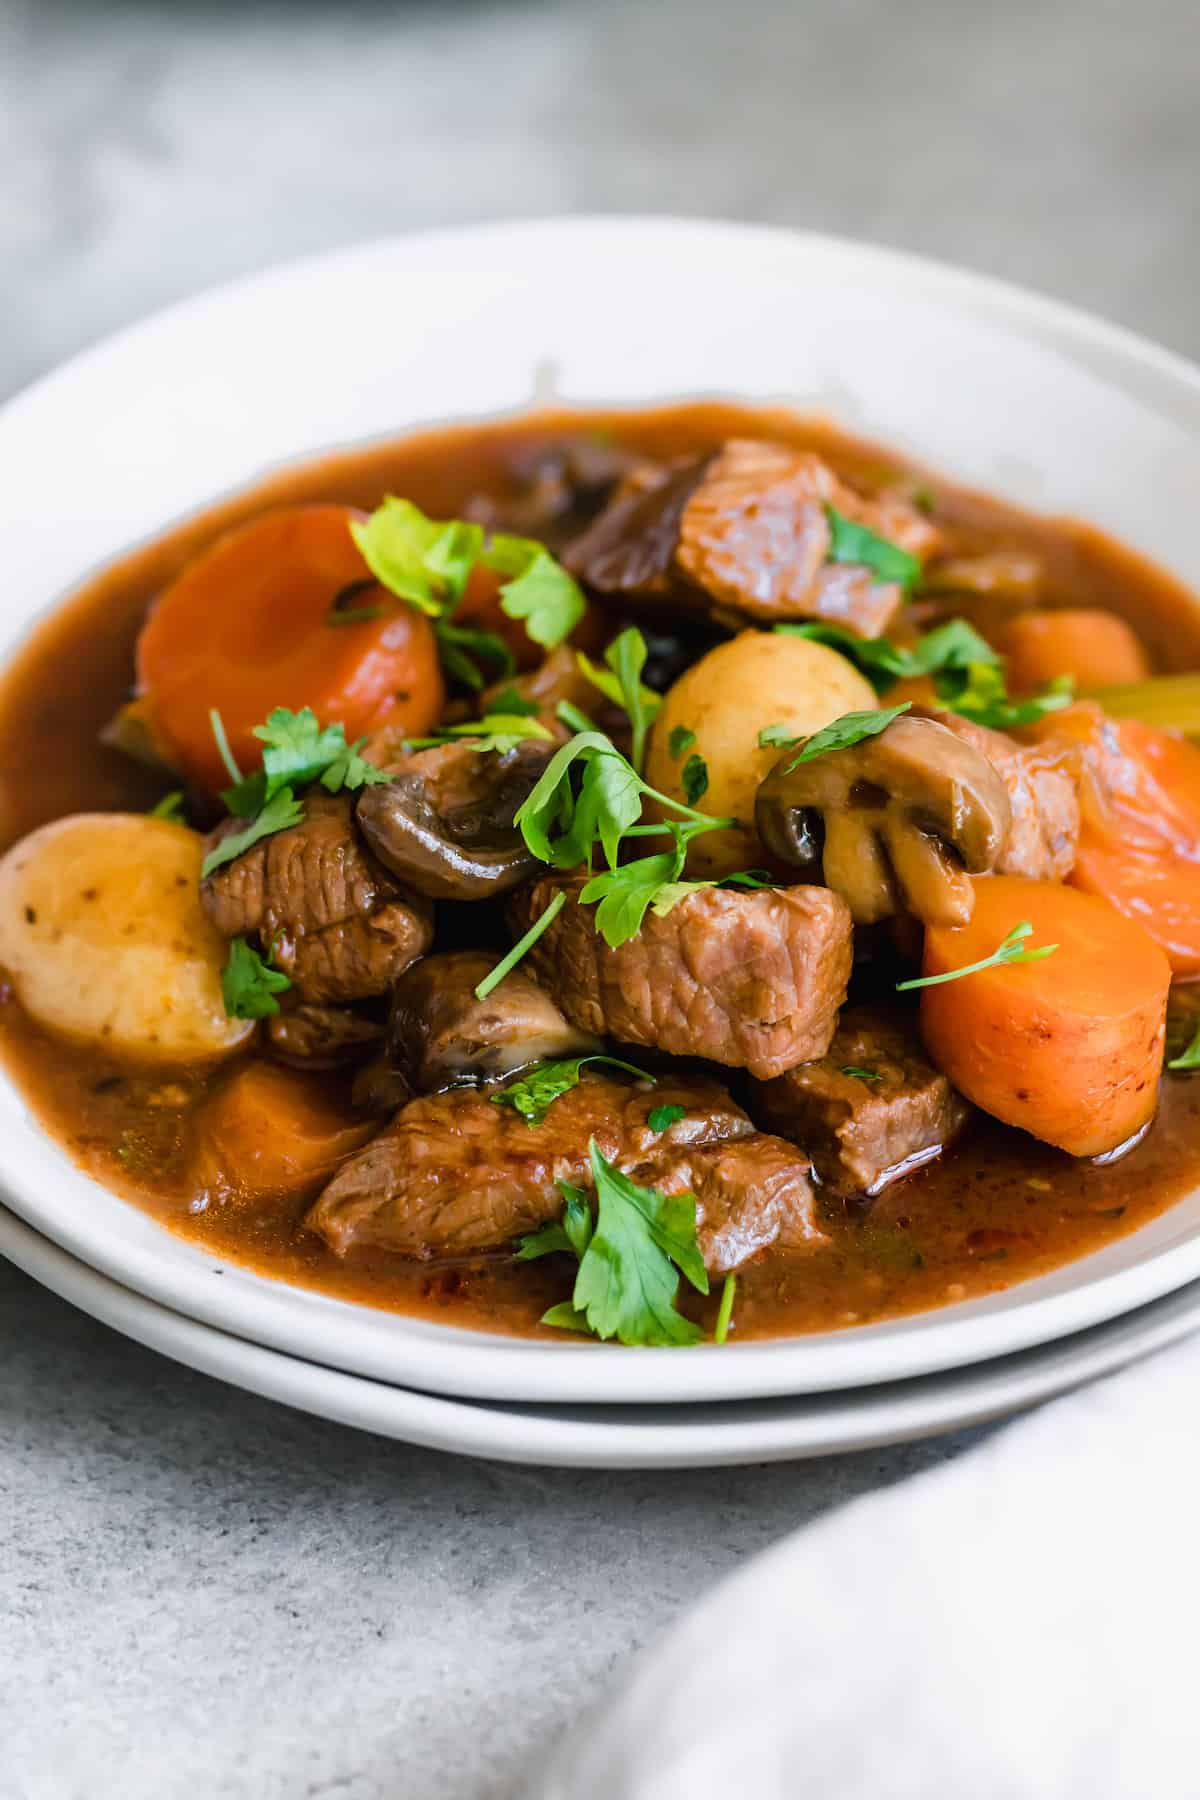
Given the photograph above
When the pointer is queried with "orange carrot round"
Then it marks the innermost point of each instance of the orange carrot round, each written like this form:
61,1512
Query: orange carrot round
1096,647
252,624
1068,1048
1139,842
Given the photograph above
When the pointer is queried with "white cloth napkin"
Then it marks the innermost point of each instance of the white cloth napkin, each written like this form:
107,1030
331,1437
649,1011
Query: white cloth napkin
1018,1623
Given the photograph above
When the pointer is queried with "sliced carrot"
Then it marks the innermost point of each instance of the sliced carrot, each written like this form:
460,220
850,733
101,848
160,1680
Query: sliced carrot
1139,843
1068,1048
272,1130
1096,647
252,625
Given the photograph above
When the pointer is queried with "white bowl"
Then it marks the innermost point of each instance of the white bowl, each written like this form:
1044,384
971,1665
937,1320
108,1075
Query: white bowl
1001,389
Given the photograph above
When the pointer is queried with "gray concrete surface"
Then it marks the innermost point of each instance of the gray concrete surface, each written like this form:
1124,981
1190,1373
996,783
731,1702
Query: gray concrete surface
202,1594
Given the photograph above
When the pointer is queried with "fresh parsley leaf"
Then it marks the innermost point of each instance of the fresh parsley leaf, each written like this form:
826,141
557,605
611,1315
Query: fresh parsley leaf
978,692
170,807
495,731
535,1092
350,771
513,703
296,749
852,728
850,542
572,1233
622,895
507,963
1189,1058
860,1074
621,683
250,983
661,1118
1009,950
419,559
217,725
539,590
459,646
681,739
566,1318
695,779
628,1275
952,645
281,811
725,1310
572,717
776,737
671,893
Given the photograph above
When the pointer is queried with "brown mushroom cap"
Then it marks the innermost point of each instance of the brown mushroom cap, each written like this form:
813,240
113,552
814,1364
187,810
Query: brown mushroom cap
444,822
894,824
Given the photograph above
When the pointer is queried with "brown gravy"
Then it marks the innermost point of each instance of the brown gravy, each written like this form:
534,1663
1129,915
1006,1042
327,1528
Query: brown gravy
996,1210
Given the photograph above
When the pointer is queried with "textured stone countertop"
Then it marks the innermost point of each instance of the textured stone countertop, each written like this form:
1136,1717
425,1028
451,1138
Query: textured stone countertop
202,1594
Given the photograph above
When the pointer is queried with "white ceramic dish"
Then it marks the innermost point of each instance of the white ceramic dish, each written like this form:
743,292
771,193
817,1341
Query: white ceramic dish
628,1437
997,387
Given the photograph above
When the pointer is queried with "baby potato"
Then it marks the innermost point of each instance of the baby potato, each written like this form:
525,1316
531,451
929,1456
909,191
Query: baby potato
102,932
758,678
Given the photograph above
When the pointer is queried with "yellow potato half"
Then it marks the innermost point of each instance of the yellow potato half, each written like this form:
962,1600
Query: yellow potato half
759,678
102,931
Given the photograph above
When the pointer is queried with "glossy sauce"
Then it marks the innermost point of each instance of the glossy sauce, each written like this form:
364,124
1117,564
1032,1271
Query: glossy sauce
997,1209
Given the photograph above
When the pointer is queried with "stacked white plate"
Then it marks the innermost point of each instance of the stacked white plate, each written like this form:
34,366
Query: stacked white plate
1000,389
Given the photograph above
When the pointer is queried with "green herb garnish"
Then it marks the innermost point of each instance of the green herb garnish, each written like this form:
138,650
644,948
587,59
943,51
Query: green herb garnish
535,1092
954,645
280,813
572,1233
631,1260
521,947
725,1310
852,728
695,779
428,562
681,739
250,983
850,542
860,1074
495,731
1189,1058
170,807
621,683
1008,951
661,1118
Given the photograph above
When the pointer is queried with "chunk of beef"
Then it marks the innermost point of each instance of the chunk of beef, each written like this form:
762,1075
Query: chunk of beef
871,1109
322,1037
337,924
750,979
1044,832
748,528
456,1173
440,1033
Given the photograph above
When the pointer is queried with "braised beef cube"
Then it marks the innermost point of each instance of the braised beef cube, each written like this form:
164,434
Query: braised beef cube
870,1110
748,530
457,1172
1044,833
752,979
332,917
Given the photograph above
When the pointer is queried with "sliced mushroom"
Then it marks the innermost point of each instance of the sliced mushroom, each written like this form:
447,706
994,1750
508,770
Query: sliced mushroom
444,823
894,823
441,1034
